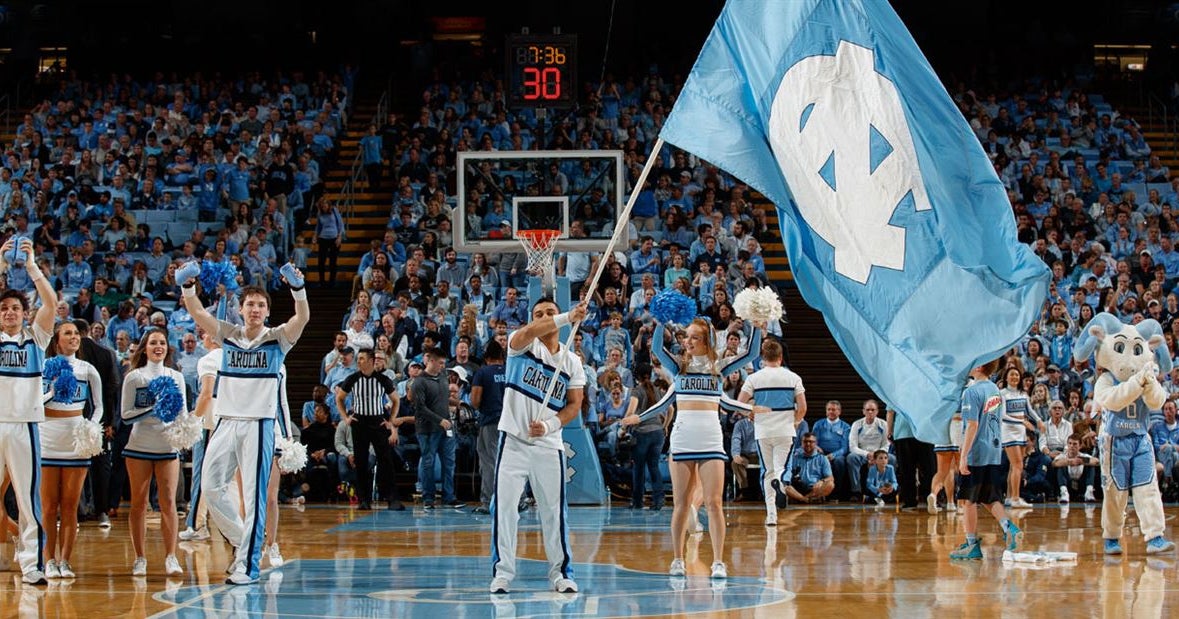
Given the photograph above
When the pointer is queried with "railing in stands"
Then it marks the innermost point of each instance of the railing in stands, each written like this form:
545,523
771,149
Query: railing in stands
346,199
1156,106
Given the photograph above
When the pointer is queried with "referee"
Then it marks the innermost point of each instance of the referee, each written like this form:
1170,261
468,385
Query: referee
369,418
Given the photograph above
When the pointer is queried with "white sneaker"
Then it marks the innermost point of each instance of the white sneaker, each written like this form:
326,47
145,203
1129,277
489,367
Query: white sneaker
33,577
172,566
500,585
677,568
719,570
880,502
771,521
564,585
104,521
194,535
1064,494
240,577
51,570
1018,502
699,524
1089,497
139,568
273,555
66,570
930,504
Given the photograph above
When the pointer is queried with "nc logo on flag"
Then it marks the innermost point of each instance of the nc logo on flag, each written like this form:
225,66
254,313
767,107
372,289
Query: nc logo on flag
839,133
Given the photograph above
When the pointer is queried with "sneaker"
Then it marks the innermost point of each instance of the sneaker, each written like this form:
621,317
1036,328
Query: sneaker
481,510
1159,544
677,568
273,555
34,577
1013,536
139,568
1019,503
66,570
500,585
197,535
240,577
1089,495
51,570
699,523
719,571
930,504
104,521
172,566
1064,494
780,498
771,521
564,585
456,504
1113,547
428,505
880,502
968,551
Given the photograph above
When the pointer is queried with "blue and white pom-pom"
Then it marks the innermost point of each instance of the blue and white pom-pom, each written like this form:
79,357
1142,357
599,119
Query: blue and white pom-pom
169,401
184,432
294,455
758,305
60,372
214,274
87,438
673,306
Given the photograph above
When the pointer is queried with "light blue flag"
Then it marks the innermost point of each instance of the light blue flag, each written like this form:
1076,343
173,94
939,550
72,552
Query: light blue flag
896,226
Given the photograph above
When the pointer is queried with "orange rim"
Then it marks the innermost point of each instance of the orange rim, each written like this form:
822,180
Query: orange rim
539,239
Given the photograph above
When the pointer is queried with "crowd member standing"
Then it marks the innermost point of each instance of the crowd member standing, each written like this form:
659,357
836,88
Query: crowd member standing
246,405
531,450
430,395
782,393
103,359
915,460
147,452
20,382
649,434
371,425
487,396
980,468
63,471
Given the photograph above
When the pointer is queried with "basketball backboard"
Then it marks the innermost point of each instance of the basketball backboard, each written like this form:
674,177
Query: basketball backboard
579,192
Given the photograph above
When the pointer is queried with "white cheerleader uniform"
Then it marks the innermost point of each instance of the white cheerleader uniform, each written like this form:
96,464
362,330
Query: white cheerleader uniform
63,418
1015,410
697,434
951,439
147,440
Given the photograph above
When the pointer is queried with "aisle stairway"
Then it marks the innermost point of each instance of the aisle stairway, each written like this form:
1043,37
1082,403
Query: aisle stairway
811,350
328,306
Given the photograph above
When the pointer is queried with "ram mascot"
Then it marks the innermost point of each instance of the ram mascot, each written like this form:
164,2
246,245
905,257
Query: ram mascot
1128,361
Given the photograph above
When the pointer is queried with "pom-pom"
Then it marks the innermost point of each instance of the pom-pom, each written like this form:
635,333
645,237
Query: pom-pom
673,306
169,403
214,274
294,455
60,371
758,305
87,439
184,432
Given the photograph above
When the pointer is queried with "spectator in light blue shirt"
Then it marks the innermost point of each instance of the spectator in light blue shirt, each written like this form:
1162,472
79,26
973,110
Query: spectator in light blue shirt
832,435
78,273
811,480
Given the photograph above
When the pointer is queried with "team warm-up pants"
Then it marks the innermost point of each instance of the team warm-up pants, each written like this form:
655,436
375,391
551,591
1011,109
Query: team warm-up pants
774,454
1127,465
20,459
248,445
197,509
520,462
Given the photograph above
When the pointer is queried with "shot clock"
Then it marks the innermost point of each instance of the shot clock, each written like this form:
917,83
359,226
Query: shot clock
542,70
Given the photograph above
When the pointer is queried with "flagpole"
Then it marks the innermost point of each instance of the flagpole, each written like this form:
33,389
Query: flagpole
620,227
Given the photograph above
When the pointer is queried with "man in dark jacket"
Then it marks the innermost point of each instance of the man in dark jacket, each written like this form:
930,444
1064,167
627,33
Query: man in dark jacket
430,395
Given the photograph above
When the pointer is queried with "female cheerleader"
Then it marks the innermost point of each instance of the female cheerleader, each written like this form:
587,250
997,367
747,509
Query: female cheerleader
148,452
1014,432
946,449
63,471
697,443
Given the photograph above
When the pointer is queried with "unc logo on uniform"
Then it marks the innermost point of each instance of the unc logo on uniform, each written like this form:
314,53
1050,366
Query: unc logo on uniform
849,156
144,398
538,379
247,359
13,359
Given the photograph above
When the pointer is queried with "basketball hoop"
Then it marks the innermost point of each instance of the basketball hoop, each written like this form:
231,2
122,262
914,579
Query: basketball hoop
540,246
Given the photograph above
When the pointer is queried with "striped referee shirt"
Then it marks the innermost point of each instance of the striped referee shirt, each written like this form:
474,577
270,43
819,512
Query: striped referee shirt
368,393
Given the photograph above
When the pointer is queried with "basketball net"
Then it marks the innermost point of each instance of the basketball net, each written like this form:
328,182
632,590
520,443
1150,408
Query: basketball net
540,245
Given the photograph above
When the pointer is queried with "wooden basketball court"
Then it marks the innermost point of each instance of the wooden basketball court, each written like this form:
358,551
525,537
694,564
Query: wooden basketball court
836,561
